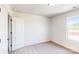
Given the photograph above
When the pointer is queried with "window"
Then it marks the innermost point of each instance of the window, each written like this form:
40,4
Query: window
73,28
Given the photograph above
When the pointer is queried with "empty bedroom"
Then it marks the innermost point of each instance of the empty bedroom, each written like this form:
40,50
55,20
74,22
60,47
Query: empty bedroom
39,28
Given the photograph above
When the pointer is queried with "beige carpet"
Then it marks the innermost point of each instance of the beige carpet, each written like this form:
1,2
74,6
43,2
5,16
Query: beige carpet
43,48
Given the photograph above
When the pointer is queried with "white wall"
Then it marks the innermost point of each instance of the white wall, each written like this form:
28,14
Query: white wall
3,30
36,29
59,31
18,32
29,29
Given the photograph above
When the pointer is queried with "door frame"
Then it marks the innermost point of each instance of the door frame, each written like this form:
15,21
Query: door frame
9,34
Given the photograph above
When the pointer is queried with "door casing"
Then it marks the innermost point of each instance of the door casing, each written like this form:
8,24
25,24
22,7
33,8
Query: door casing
9,34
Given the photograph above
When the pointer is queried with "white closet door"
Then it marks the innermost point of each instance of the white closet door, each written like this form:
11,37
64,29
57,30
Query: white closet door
18,32
3,30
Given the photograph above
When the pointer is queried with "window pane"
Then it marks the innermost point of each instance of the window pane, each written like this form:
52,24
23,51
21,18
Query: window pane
73,28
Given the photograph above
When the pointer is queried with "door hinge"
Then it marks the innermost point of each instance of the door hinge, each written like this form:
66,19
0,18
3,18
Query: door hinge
8,49
11,19
8,39
11,45
11,32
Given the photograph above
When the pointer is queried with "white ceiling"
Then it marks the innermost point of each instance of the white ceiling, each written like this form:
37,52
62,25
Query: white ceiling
43,9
